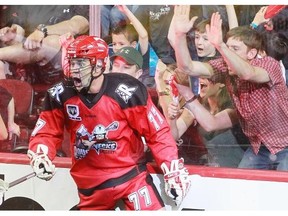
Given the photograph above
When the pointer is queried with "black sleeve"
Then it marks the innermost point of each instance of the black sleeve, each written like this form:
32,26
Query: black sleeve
82,10
12,14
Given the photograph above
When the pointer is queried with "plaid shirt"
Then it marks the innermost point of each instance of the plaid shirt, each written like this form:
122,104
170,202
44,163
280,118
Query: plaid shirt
262,108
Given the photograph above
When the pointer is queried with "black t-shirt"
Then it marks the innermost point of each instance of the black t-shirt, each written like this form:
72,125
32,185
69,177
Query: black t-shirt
30,16
8,15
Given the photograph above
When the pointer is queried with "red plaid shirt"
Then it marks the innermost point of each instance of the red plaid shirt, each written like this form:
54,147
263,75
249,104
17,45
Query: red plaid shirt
262,108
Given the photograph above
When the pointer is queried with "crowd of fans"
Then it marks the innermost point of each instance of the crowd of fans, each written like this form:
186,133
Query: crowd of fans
32,47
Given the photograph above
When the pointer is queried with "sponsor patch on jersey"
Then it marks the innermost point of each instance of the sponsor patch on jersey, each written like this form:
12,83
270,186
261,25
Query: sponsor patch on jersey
73,112
125,92
56,91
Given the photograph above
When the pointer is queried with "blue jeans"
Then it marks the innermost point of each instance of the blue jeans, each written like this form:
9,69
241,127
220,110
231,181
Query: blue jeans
264,159
105,20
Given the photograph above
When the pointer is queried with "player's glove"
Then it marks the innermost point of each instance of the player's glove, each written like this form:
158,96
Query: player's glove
177,182
42,165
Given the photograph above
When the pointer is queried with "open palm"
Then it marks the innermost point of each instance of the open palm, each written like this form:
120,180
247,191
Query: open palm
181,21
214,30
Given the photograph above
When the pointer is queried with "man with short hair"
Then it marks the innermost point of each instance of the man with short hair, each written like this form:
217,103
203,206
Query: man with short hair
256,86
127,60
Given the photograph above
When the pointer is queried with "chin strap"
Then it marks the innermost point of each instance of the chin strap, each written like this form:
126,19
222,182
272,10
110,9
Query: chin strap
85,90
68,82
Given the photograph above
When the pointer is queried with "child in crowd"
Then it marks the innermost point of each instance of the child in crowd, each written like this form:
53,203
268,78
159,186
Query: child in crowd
135,35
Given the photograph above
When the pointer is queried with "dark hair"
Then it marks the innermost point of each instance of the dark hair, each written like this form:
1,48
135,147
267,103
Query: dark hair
280,21
250,37
128,30
201,26
276,44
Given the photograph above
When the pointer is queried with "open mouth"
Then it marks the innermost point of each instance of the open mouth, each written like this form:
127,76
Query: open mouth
77,81
200,52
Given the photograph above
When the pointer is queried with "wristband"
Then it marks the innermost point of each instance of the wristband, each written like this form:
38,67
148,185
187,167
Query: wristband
43,29
253,25
163,93
191,100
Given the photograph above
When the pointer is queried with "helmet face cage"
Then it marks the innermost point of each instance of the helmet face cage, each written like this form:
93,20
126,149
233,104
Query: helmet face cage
82,48
91,47
81,72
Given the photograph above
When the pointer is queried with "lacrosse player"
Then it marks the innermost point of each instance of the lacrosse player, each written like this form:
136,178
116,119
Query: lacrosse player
106,114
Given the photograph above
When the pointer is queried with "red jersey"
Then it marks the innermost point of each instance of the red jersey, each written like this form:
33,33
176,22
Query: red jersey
262,108
105,129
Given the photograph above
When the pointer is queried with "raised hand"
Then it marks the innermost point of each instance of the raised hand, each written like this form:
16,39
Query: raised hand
214,30
181,21
185,91
260,16
122,8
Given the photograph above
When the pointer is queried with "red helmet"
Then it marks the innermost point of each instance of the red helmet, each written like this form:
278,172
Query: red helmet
91,47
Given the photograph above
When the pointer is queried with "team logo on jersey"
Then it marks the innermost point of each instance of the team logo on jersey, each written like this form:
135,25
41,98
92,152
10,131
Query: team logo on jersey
56,91
97,140
73,112
125,92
